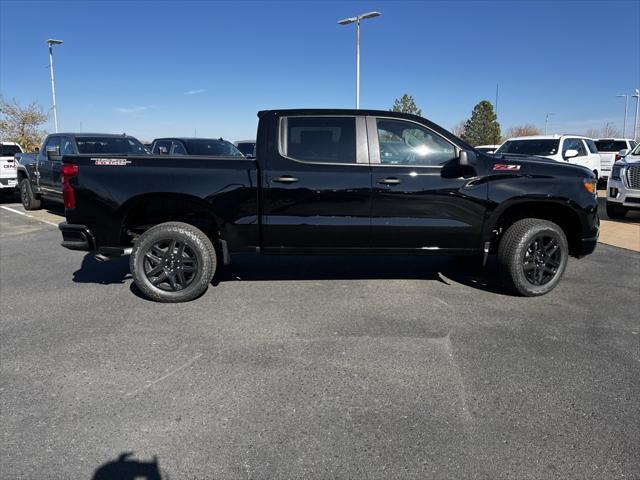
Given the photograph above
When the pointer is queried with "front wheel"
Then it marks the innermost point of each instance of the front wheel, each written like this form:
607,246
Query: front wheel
615,211
532,256
173,262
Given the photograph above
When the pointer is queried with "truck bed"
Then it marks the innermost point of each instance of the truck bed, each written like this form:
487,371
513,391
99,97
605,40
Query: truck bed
130,191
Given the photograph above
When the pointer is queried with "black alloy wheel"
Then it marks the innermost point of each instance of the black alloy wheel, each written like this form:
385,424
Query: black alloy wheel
542,259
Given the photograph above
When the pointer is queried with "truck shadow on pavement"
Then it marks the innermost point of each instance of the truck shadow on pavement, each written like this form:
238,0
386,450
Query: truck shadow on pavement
465,270
125,468
251,267
109,272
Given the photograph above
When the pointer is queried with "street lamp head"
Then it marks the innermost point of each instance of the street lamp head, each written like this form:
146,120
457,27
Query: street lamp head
347,21
51,41
370,15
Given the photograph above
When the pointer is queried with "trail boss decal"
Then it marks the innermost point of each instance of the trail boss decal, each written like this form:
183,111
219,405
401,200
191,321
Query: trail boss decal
504,166
113,162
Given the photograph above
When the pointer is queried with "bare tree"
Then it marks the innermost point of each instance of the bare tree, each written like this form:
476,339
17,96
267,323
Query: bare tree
458,128
522,131
21,124
608,131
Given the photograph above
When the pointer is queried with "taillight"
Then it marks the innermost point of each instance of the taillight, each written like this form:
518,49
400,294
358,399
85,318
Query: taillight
618,157
68,171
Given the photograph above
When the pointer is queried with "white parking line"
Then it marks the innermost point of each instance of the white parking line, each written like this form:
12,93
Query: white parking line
27,215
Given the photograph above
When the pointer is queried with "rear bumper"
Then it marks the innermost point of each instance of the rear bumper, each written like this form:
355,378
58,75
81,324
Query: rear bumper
9,182
76,237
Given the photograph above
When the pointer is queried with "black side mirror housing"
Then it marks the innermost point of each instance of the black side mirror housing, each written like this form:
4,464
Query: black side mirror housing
53,152
467,158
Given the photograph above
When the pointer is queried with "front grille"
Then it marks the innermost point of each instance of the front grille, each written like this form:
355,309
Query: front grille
632,200
633,176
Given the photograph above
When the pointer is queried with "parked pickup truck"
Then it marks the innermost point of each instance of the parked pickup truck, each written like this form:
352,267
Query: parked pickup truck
39,173
330,181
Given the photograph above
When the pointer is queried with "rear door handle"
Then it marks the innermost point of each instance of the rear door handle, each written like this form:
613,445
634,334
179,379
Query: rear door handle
285,179
390,181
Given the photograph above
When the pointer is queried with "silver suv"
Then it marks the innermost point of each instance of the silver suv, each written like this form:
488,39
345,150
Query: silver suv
623,186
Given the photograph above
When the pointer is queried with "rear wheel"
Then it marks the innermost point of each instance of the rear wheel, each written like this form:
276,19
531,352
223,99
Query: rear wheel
532,256
28,198
615,211
173,262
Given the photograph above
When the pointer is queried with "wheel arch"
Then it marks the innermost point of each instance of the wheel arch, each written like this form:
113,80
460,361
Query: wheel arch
142,212
558,212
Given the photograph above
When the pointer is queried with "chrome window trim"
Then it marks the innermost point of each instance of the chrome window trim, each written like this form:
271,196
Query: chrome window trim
374,144
362,154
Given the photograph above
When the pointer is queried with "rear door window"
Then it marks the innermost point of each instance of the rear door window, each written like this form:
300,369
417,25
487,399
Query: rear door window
319,139
591,146
611,145
178,149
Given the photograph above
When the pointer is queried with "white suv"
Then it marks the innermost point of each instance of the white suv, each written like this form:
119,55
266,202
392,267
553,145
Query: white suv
623,187
8,170
573,149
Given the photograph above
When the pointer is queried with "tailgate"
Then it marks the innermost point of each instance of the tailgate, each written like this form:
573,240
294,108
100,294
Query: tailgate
606,161
8,172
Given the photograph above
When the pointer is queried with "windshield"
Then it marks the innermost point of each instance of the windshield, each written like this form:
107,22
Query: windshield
9,150
542,147
210,147
611,145
111,145
636,150
247,148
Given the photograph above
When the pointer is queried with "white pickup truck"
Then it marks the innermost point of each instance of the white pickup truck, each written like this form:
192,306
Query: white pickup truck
8,170
608,149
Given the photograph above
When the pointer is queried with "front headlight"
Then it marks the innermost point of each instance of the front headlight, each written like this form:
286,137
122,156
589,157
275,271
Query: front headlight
616,172
590,184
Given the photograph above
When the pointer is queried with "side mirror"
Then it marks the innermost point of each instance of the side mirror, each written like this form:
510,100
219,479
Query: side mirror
467,157
163,150
53,152
624,152
570,153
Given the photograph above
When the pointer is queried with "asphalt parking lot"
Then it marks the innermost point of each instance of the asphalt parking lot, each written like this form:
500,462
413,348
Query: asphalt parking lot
302,367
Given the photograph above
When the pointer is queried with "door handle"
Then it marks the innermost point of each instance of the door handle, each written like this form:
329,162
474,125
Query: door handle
390,181
285,179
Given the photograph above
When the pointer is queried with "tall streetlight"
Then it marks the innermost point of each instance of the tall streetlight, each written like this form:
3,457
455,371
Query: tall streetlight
356,20
51,42
635,122
546,121
624,123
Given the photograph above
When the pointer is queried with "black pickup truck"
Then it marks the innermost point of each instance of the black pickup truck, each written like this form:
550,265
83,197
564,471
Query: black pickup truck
330,181
39,173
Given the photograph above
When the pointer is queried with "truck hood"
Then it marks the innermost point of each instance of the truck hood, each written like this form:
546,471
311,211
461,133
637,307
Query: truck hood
631,160
542,165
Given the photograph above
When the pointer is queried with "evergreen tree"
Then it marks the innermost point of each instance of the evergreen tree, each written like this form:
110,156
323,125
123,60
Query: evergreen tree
483,127
406,104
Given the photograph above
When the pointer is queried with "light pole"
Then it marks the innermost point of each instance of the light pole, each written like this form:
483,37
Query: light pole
51,42
546,121
356,20
635,122
624,123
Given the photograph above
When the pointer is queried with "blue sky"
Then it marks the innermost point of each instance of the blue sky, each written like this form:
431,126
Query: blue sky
178,68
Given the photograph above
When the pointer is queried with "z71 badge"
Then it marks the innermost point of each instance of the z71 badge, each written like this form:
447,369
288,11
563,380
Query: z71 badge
503,166
114,162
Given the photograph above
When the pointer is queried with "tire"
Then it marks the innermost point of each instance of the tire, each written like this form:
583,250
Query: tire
165,275
532,257
28,198
615,211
